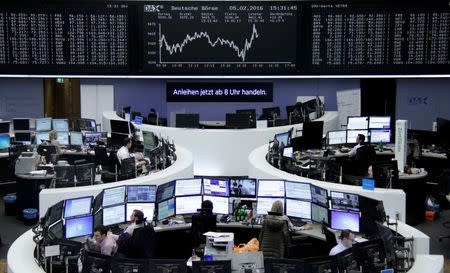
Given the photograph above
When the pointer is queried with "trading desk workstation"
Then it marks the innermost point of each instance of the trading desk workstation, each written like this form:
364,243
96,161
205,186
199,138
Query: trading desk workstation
167,228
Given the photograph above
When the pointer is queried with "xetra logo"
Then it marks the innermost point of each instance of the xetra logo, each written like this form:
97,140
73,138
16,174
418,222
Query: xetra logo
153,8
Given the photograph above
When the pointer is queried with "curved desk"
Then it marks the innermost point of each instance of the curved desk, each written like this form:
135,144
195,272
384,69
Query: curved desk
182,168
21,259
221,152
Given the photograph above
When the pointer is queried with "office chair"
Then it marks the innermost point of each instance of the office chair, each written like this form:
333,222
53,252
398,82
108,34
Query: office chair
85,174
330,238
211,266
95,262
129,265
167,266
202,223
365,156
142,242
152,117
128,168
64,176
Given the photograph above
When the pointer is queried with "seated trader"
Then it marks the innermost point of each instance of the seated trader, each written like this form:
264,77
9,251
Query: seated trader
346,240
104,243
137,220
53,136
274,237
124,152
203,222
359,143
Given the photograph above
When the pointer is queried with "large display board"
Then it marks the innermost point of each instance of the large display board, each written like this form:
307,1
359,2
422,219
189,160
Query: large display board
224,37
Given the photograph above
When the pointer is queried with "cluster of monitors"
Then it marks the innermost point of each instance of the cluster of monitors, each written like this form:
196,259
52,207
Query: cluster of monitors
311,138
309,202
375,129
73,138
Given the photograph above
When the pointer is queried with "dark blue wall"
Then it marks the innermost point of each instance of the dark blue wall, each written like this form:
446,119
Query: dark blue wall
21,98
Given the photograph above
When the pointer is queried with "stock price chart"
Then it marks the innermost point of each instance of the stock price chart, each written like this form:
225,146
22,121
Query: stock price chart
220,37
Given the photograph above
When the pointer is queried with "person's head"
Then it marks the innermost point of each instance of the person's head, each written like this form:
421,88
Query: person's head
369,172
100,233
347,238
127,142
360,139
52,135
277,207
207,207
137,216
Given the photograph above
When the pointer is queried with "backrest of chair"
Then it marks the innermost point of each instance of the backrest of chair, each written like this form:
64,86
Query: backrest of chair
85,173
143,242
101,156
365,156
202,223
128,168
167,266
129,265
95,262
211,266
330,238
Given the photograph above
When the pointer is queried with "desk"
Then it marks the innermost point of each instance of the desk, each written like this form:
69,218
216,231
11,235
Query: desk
21,259
222,152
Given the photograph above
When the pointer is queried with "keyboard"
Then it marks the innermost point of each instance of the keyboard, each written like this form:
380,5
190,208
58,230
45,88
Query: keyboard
297,222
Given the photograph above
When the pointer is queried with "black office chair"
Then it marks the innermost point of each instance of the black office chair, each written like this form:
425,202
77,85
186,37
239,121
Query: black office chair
128,168
64,176
129,265
211,266
202,223
330,238
95,262
152,117
365,156
101,157
167,266
142,242
85,174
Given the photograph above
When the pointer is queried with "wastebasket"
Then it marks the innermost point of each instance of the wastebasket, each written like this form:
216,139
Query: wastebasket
10,204
30,216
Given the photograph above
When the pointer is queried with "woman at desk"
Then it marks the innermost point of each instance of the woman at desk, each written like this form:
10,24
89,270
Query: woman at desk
53,136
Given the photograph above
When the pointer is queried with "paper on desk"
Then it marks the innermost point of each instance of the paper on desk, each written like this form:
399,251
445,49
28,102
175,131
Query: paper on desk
43,172
215,234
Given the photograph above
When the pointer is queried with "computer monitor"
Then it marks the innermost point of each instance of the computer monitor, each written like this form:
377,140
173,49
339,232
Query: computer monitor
380,136
443,131
319,214
319,196
77,207
272,265
167,265
270,188
387,237
4,127
385,173
138,120
117,139
298,190
337,137
76,138
43,124
56,230
81,226
237,121
120,127
187,120
141,193
166,209
55,213
341,220
21,124
165,191
264,204
271,113
149,139
220,204
91,138
94,261
185,187
251,113
114,215
357,123
187,204
352,134
216,187
41,136
298,208
379,122
63,138
283,138
344,201
312,134
147,208
310,106
288,152
113,196
98,218
324,264
24,137
60,125
85,124
243,187
5,141
211,266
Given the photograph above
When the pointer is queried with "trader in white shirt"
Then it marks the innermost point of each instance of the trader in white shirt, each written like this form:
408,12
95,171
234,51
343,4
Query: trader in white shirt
359,142
346,240
124,152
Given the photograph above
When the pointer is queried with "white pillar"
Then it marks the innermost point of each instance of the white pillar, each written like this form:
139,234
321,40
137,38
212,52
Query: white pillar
401,143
